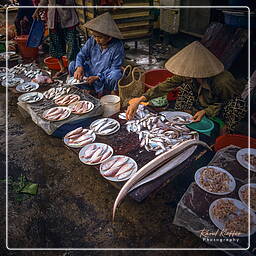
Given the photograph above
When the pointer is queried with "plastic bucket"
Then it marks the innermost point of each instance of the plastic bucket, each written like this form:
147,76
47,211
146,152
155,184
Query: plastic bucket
26,52
204,126
110,104
233,139
153,77
52,63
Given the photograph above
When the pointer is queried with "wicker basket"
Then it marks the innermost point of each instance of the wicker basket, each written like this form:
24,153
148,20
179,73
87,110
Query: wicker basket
130,85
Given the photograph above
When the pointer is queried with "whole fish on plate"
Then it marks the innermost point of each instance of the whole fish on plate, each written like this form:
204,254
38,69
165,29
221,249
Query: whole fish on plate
56,114
105,126
56,92
95,153
82,107
31,97
67,99
79,137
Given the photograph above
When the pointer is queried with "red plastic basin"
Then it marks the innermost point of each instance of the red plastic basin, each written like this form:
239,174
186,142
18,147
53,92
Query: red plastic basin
52,63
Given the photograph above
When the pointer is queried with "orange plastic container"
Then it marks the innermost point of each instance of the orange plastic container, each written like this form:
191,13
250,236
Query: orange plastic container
234,139
153,77
52,63
26,52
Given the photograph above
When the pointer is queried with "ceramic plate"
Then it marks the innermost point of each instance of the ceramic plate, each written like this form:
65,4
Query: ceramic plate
72,81
112,131
25,97
221,223
78,145
240,156
243,188
90,107
170,115
231,183
76,97
68,112
129,174
97,146
12,82
30,87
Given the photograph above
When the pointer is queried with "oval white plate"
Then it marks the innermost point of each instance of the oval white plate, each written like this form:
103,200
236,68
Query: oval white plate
232,182
241,160
20,87
253,185
62,97
85,161
64,117
221,224
23,96
171,114
91,106
12,82
103,134
115,178
77,145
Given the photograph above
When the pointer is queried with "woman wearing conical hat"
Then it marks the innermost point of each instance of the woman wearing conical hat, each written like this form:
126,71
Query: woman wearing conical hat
101,57
205,87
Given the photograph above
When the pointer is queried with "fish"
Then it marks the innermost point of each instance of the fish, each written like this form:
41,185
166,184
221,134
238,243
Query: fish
90,151
125,168
115,167
76,131
96,156
106,155
153,165
108,164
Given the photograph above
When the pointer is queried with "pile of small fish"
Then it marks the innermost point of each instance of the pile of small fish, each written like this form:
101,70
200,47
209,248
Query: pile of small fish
56,114
31,97
28,70
73,81
3,76
118,167
67,99
105,126
54,93
82,107
157,134
95,153
79,137
12,82
27,87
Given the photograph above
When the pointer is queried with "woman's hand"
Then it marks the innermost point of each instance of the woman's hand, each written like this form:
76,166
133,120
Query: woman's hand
133,105
198,116
79,73
92,79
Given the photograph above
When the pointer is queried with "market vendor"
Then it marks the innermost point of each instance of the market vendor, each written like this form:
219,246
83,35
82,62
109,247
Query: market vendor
101,57
205,87
63,35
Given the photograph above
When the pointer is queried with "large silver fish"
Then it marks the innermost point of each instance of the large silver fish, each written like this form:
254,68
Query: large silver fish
152,166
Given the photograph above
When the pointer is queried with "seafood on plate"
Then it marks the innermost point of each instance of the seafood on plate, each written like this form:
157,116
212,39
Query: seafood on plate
27,87
73,81
56,113
67,99
28,70
118,168
252,159
95,153
79,137
12,82
244,194
56,92
82,107
215,180
31,97
223,209
105,126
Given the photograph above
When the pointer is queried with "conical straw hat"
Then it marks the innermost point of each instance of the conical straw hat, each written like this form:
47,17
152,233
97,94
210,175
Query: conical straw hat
194,61
104,24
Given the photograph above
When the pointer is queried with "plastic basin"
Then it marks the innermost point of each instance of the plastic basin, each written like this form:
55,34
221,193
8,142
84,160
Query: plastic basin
204,126
233,139
110,104
153,77
52,63
26,52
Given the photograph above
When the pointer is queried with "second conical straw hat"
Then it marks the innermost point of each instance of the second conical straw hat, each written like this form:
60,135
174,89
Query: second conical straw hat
194,61
104,24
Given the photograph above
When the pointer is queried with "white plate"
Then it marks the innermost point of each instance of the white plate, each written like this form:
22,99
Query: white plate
3,76
12,82
253,185
130,160
64,117
221,224
109,119
241,160
70,81
23,97
91,107
20,87
77,145
62,97
232,183
85,161
171,114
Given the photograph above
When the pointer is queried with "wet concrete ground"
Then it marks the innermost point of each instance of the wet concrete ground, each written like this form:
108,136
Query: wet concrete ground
74,203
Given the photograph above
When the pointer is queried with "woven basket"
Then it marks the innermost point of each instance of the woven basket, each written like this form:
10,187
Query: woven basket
130,85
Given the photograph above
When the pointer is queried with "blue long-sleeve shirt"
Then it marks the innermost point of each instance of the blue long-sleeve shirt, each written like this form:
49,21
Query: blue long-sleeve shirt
98,62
